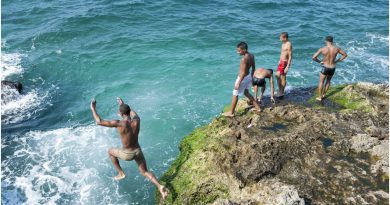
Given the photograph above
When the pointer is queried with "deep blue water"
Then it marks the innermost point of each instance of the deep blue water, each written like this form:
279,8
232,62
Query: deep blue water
174,62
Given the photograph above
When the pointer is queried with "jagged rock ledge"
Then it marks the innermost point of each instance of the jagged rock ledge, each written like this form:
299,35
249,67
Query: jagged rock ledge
297,151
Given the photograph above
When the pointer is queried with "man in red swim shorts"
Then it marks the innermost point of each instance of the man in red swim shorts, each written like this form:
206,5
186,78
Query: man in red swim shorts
284,63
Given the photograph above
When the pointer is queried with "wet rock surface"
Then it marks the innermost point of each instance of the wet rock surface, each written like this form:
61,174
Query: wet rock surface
296,151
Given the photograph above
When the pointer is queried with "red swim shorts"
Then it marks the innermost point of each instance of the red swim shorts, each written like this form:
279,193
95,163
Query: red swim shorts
282,65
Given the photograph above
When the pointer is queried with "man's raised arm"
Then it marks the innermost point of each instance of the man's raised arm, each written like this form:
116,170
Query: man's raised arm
133,114
98,120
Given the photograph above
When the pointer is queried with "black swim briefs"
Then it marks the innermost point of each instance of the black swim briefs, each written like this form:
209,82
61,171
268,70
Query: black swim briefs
327,71
258,81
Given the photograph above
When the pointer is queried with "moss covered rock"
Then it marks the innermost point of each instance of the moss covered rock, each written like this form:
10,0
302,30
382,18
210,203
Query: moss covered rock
292,153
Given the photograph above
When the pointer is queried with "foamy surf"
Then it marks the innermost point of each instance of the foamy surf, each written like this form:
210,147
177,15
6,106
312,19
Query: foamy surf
62,166
16,107
363,52
10,64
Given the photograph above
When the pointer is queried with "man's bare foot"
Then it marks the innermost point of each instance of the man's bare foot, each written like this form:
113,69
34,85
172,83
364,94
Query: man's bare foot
119,177
323,96
119,100
278,95
163,192
319,99
228,114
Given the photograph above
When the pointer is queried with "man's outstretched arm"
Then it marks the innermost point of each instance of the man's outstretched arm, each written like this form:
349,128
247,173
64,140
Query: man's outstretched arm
98,120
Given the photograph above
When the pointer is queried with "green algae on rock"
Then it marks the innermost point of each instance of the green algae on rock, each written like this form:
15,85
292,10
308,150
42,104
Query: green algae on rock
360,96
292,153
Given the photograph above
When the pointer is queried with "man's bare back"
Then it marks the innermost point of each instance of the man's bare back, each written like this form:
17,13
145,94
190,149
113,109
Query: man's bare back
262,73
128,131
329,54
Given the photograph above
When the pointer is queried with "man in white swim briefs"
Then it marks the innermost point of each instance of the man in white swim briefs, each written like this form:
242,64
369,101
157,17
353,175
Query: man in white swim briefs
244,79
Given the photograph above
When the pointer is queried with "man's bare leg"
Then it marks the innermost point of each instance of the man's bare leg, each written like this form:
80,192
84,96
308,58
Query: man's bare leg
255,90
320,85
114,158
262,92
251,99
279,83
327,85
232,107
141,162
283,83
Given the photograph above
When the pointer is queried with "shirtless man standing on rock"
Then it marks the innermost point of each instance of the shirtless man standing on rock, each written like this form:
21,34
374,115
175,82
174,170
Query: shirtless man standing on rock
128,129
284,63
244,79
329,53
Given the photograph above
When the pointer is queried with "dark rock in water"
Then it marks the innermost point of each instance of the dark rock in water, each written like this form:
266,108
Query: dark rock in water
295,152
10,91
14,85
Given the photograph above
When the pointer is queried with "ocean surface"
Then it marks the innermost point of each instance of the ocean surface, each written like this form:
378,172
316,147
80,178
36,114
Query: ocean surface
173,61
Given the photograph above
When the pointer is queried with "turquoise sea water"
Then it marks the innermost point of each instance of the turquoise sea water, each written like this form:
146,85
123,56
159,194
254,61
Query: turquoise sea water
173,61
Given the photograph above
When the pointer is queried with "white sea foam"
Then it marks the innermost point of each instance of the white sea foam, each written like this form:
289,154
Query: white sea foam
17,107
10,64
60,166
377,37
365,56
364,51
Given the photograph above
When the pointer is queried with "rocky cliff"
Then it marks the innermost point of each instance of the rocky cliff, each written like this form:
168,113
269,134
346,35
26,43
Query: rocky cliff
297,151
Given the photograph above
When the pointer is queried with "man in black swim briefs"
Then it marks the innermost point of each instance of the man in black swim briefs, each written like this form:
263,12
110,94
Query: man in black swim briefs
259,81
329,53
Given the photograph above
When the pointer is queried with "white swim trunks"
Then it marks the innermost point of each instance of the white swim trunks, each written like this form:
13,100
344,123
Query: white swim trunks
246,83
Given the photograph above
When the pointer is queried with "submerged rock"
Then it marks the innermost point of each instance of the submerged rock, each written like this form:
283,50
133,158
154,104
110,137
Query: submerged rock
297,151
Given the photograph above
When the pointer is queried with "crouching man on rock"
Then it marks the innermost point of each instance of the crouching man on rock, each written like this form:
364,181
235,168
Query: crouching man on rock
258,80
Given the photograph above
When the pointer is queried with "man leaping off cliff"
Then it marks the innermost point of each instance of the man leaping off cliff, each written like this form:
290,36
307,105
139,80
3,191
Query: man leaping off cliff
329,53
128,129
